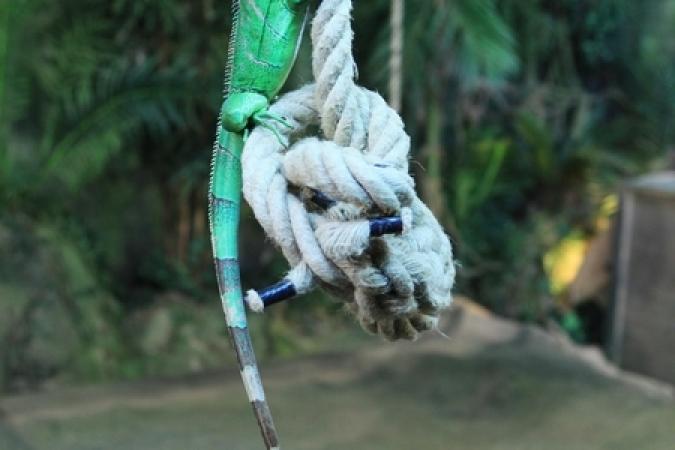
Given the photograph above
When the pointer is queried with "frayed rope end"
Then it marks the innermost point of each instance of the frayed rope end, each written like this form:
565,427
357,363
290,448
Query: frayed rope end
254,301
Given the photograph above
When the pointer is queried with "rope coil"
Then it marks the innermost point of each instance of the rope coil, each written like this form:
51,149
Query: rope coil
342,207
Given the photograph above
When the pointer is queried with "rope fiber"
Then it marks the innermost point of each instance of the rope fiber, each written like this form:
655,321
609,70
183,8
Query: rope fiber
318,183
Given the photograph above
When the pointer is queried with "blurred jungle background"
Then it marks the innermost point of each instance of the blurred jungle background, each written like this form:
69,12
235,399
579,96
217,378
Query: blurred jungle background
525,116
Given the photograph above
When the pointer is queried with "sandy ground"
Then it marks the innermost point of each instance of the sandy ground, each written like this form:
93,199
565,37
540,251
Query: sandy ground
492,386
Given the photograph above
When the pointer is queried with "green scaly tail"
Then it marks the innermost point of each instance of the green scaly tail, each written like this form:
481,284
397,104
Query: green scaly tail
262,49
225,200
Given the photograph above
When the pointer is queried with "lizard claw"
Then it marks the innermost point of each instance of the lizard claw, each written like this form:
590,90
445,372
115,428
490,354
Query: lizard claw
265,118
267,115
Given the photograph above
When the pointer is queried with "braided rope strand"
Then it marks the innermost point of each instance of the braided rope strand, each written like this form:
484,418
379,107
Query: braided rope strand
396,284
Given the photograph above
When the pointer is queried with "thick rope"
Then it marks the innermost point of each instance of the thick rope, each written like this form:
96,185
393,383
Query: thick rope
396,284
396,58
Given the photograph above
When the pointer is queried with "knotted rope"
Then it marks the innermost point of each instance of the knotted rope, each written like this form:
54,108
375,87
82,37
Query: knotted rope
331,202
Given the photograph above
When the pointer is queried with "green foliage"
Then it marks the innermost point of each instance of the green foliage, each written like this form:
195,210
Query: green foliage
477,181
485,48
93,87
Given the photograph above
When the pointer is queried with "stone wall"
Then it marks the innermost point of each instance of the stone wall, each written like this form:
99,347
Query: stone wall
643,322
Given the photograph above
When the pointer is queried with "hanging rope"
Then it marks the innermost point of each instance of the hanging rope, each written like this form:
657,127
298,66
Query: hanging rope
332,190
396,58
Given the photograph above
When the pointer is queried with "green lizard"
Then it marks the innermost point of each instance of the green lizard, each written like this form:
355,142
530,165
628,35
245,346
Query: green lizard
263,46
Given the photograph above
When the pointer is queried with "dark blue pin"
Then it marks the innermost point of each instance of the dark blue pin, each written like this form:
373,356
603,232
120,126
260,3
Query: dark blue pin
322,200
385,225
283,290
